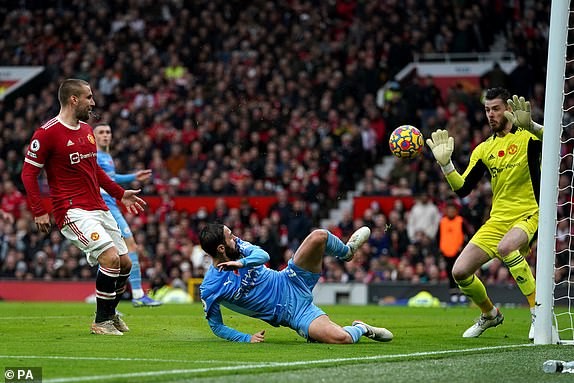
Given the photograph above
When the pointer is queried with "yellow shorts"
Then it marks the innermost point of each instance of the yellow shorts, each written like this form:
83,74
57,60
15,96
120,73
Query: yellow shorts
490,234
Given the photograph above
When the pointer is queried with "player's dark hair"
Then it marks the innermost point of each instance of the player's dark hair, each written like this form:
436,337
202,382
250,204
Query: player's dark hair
210,237
97,125
494,93
70,87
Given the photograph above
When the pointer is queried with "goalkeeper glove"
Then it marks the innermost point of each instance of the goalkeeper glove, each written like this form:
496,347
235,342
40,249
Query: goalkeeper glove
442,147
520,115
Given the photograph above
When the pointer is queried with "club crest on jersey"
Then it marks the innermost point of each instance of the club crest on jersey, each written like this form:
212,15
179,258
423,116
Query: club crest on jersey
94,236
91,139
35,145
512,149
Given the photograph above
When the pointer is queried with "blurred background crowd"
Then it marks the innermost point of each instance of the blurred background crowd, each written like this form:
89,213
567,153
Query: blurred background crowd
254,98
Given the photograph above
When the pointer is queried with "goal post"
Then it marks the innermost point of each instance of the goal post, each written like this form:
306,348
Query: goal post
549,188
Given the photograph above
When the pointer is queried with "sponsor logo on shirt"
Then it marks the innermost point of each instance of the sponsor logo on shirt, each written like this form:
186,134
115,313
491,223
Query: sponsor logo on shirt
247,283
76,157
496,171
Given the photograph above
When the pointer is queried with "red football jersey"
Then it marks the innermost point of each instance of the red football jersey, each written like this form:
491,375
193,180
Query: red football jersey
69,156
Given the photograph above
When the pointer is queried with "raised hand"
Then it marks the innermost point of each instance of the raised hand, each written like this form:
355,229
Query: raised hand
442,146
520,114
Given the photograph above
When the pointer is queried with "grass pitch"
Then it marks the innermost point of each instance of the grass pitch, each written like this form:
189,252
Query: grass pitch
173,343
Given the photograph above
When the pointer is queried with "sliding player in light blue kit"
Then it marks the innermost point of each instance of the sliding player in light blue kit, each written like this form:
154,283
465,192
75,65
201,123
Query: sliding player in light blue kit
239,280
103,134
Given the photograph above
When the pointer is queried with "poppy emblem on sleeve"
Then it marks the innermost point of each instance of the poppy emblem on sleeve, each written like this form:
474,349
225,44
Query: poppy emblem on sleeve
501,153
95,236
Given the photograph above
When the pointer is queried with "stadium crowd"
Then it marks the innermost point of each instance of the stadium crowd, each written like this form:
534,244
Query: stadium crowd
262,98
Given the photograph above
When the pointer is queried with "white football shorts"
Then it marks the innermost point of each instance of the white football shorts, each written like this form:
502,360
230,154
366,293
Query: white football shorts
93,232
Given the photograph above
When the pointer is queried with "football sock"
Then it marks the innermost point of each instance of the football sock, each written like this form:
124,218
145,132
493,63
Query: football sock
120,288
106,280
355,331
522,274
335,247
473,288
135,276
492,313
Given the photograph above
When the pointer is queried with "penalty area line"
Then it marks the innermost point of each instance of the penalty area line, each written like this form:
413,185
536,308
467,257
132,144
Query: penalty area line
275,364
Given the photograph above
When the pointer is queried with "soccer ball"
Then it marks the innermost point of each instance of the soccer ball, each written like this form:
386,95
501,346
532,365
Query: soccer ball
406,141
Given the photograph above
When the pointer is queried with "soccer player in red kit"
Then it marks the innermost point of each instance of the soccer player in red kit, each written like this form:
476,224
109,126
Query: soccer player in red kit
66,149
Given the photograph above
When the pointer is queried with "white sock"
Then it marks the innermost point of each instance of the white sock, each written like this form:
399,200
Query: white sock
137,293
492,313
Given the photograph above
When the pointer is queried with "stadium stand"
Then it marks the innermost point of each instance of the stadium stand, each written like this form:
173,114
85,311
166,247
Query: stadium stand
232,98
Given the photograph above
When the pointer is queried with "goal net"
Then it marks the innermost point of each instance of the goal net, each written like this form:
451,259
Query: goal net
555,261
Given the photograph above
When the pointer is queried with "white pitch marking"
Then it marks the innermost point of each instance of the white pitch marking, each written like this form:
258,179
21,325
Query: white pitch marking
114,359
44,317
273,364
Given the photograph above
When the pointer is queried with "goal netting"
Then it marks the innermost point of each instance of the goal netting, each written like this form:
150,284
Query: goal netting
555,260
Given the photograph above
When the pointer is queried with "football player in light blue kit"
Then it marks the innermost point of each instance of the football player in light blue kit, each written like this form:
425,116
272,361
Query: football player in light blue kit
239,280
103,135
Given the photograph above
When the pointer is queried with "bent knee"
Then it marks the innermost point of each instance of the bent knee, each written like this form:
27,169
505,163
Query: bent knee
460,274
109,258
319,235
504,250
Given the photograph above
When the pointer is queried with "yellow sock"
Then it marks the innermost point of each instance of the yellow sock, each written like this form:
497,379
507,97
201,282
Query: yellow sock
522,274
531,298
473,288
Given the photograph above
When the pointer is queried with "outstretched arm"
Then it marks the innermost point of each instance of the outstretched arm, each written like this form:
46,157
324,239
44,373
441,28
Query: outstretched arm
215,321
140,175
442,146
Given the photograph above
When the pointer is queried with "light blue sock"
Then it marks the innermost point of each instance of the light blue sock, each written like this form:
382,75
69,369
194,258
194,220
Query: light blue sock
135,273
335,246
355,331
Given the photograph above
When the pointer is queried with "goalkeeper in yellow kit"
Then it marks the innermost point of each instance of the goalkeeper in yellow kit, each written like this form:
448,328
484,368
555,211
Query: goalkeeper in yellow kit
511,156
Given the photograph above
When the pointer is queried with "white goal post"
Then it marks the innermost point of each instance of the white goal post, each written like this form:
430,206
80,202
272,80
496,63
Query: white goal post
554,310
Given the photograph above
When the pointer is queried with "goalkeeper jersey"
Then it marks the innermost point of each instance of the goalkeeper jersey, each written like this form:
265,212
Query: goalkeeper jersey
513,163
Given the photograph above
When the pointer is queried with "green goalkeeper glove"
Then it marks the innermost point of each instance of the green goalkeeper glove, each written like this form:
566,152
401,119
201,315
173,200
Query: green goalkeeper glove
521,115
442,147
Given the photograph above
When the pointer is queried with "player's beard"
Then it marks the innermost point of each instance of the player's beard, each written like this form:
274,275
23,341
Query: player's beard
83,114
231,253
500,126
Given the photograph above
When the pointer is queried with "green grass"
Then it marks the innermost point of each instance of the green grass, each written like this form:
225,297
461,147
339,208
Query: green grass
174,344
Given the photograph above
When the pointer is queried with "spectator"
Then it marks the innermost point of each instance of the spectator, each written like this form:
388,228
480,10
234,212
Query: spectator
424,216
